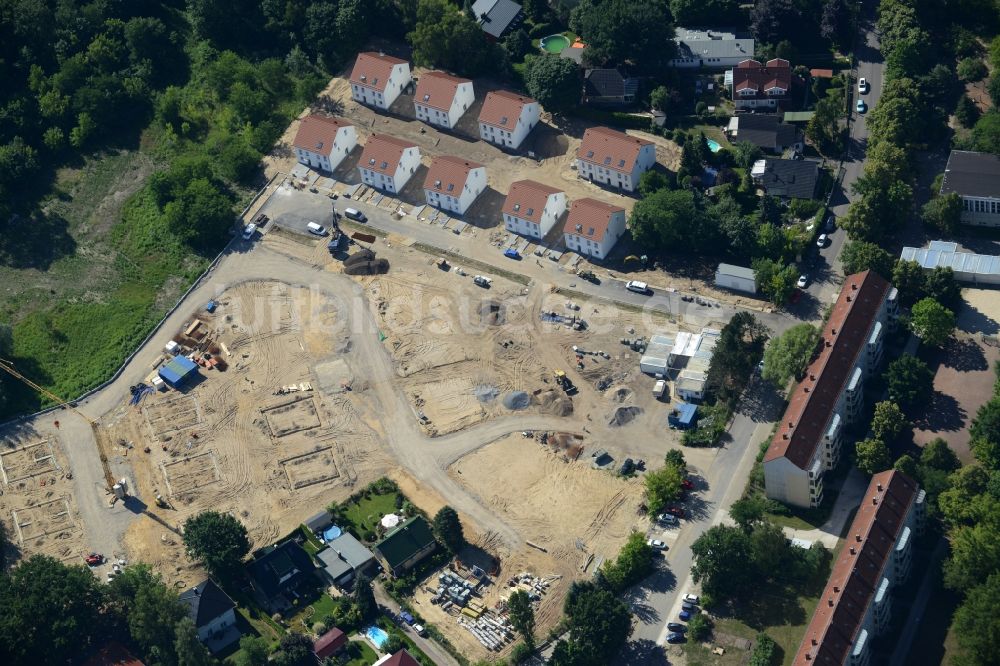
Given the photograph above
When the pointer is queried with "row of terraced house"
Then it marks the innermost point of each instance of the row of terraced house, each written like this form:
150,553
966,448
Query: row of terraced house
532,209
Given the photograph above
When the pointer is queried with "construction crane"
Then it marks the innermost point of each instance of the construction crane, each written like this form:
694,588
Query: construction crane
8,367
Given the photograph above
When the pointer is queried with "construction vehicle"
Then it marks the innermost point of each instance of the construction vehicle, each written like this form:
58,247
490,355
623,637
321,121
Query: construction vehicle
442,263
565,383
589,276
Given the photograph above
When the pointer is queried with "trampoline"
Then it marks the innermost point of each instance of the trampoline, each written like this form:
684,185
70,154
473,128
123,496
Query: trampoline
331,533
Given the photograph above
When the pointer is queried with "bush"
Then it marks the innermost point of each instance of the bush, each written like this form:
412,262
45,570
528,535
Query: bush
700,627
521,653
763,651
971,69
803,208
700,108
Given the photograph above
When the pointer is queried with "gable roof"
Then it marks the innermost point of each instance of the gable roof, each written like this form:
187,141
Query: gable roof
610,148
502,108
857,573
764,129
206,601
775,73
319,522
592,216
437,90
448,174
344,555
844,336
286,559
382,153
328,644
495,16
316,132
401,658
403,542
527,198
788,178
699,44
372,69
972,174
608,83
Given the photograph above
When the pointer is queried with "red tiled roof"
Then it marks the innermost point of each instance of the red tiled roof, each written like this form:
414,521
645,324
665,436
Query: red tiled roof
776,73
401,658
329,643
592,216
437,90
811,405
858,570
448,174
500,105
382,153
114,654
316,133
527,198
610,148
372,69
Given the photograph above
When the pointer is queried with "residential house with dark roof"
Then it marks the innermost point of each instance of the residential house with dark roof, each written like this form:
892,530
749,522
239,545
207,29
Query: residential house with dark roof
377,79
277,572
453,183
441,99
344,558
532,208
764,130
507,118
329,644
976,178
786,179
404,547
497,17
830,396
614,158
319,522
387,163
856,605
213,614
322,142
608,87
710,48
593,227
760,86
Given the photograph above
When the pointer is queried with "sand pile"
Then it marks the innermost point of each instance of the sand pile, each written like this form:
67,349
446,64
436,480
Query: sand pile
621,394
554,402
492,313
486,393
624,415
516,400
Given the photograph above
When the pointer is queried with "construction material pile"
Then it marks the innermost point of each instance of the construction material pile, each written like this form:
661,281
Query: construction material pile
493,631
516,400
453,588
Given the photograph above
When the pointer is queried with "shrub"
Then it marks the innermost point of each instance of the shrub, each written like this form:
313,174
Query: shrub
700,627
971,69
700,108
521,653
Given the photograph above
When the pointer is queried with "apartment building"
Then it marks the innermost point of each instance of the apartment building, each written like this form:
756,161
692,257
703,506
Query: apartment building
387,163
614,158
756,86
453,183
441,99
377,79
507,118
856,605
593,227
532,209
808,440
322,142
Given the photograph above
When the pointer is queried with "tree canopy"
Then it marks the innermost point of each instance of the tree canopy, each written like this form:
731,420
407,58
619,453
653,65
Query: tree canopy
740,347
217,540
448,530
860,256
789,354
522,615
446,38
943,211
888,421
554,82
872,456
634,562
910,383
598,624
932,322
625,31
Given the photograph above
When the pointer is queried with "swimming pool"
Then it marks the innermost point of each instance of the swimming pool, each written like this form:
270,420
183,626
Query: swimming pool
713,145
554,43
377,636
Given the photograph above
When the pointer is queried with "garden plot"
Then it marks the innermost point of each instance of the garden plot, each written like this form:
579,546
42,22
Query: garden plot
292,416
27,462
310,468
191,473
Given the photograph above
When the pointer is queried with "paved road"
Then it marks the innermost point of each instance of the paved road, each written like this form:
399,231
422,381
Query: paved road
429,647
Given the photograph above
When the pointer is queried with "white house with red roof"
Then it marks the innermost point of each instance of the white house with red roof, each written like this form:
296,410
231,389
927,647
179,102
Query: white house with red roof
507,118
441,99
387,163
322,142
593,227
377,79
532,208
755,86
453,183
614,158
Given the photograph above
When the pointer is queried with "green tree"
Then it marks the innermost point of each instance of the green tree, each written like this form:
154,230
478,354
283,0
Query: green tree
721,556
977,624
217,540
932,322
664,99
522,615
888,421
254,651
910,383
634,562
620,31
663,487
943,212
598,624
745,154
940,284
908,278
517,45
294,649
975,554
986,133
748,512
50,610
188,647
966,112
699,627
883,207
668,219
985,434
653,181
938,455
200,214
777,282
554,82
763,651
907,465
972,69
364,597
151,609
447,38
789,354
448,530
675,458
740,347
824,129
872,456
859,256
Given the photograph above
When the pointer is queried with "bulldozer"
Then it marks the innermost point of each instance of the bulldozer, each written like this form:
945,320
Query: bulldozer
565,383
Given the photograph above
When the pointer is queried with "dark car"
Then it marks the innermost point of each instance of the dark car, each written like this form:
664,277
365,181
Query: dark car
675,638
676,626
684,615
688,607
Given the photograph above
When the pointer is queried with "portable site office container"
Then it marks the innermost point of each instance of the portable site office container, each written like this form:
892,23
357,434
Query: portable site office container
737,278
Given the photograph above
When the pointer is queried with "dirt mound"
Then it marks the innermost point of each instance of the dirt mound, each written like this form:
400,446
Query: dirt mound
516,400
624,415
486,393
492,313
554,402
362,255
621,394
377,267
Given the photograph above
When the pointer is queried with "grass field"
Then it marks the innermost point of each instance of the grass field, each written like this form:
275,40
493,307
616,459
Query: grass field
365,514
360,653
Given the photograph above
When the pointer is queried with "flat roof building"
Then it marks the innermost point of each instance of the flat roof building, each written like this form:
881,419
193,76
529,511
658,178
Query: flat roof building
976,178
711,48
967,266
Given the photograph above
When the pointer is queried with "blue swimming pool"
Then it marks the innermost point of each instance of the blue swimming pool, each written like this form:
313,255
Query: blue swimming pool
331,533
713,145
377,636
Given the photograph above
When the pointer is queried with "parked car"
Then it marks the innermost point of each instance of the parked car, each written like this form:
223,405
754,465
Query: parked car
355,214
676,627
862,85
684,615
511,253
821,241
802,282
317,229
249,231
656,544
482,281
637,286
675,638
667,519
830,224
861,106
94,559
688,607
691,598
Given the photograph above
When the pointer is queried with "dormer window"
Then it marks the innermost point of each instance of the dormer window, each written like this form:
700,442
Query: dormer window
371,161
607,160
621,163
590,154
503,121
451,187
385,165
531,211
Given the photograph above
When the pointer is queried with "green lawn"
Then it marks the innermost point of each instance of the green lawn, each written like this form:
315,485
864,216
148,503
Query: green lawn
360,653
783,619
319,608
365,514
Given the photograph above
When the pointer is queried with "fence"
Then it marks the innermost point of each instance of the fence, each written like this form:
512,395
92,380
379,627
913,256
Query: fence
194,285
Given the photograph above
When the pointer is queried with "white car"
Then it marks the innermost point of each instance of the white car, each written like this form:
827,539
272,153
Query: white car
656,544
667,519
691,598
637,287
862,85
249,231
803,282
821,241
